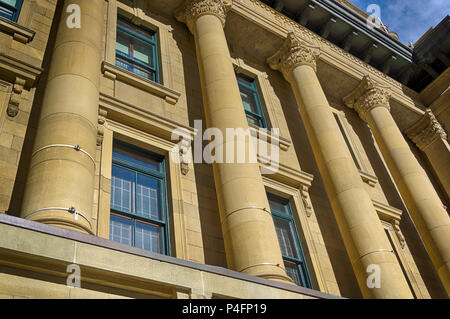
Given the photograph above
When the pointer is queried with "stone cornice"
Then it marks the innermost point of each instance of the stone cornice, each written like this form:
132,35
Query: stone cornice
116,73
426,131
294,52
191,10
367,96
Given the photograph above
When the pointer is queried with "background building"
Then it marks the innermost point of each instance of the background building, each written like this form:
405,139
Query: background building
92,194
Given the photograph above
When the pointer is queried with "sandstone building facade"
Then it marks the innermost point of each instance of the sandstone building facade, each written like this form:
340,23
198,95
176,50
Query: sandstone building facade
98,201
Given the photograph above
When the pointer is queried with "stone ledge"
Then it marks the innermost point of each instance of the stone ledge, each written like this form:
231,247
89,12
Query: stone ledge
143,119
48,245
116,73
11,68
368,178
267,135
18,32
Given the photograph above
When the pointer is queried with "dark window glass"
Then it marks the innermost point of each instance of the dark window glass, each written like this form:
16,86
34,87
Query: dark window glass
291,250
251,101
138,201
10,9
136,50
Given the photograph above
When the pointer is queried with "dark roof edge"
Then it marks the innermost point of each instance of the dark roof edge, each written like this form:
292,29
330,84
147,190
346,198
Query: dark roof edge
359,23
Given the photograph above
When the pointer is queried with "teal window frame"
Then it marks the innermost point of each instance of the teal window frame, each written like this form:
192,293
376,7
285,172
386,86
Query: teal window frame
133,165
288,217
146,36
261,119
10,12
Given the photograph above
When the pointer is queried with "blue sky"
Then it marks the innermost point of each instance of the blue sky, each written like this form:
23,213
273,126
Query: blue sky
409,18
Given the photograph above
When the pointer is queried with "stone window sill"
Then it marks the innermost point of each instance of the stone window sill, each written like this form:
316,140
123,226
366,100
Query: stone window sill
368,178
266,134
116,73
18,32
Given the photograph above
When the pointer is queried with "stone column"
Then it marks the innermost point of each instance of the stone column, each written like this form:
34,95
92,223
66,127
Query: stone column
357,219
250,239
60,183
430,138
426,209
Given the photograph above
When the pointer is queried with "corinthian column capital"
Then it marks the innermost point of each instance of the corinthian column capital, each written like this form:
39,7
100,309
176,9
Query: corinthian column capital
366,97
191,10
426,131
294,52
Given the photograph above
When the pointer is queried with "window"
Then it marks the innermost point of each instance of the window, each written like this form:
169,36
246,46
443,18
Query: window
138,199
137,50
251,101
291,250
347,141
10,9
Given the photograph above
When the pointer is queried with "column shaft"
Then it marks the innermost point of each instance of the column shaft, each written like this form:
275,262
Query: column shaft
359,224
357,219
425,207
431,138
250,239
61,175
438,154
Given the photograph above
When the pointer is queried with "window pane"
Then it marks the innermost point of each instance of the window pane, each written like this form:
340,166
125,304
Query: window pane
253,120
147,197
5,13
143,52
122,186
144,73
246,80
277,206
123,44
120,229
248,99
134,156
10,2
148,237
285,238
293,272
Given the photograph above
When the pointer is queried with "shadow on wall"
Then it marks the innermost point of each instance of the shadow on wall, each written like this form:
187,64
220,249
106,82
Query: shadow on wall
334,245
15,205
412,238
213,246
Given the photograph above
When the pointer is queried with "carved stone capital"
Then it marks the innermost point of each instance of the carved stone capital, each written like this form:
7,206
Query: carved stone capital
366,97
426,131
191,10
294,52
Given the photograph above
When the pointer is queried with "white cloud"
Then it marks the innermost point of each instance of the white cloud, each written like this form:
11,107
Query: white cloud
411,19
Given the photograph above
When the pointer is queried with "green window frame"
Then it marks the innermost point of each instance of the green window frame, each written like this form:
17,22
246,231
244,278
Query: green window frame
251,101
289,240
139,210
10,9
137,50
